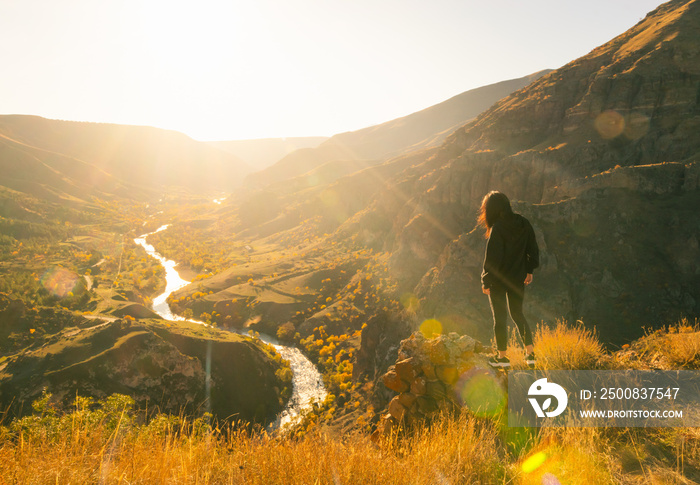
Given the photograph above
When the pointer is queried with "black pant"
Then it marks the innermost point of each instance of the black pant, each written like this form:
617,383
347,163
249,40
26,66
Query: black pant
514,296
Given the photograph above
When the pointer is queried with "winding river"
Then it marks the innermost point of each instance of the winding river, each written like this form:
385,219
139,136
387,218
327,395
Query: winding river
307,384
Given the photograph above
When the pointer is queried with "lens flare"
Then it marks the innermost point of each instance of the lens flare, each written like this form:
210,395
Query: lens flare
609,124
334,205
409,302
517,435
59,281
549,479
480,392
534,462
430,328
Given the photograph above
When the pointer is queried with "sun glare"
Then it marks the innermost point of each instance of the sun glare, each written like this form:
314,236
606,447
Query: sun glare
190,61
227,69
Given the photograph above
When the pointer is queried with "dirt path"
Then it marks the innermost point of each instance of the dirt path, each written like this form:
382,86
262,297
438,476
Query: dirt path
108,320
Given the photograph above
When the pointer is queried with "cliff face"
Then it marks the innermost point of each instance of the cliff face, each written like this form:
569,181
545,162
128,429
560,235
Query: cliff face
618,258
583,150
172,369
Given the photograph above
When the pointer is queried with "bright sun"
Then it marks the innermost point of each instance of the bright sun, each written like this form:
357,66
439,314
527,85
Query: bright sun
192,60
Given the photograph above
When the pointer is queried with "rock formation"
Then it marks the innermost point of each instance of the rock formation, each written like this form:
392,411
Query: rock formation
442,373
173,370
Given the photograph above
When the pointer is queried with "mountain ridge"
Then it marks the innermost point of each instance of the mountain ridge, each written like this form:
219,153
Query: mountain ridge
140,156
260,153
422,129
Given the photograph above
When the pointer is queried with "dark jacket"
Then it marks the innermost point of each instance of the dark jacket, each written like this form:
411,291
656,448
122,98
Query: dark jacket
511,253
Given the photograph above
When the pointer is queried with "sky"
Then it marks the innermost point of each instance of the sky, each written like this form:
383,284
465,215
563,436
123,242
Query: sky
233,69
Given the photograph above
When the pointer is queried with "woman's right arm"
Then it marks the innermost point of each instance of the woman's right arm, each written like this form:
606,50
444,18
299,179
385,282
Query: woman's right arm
492,259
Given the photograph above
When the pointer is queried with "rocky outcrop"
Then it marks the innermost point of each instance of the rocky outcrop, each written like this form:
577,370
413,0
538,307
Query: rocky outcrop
659,179
618,259
443,373
174,370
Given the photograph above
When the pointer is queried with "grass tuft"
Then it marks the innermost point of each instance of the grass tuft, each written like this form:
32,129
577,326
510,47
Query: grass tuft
567,347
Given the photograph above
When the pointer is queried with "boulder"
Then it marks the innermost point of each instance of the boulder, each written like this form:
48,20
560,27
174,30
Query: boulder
396,409
394,382
407,369
447,374
407,399
419,386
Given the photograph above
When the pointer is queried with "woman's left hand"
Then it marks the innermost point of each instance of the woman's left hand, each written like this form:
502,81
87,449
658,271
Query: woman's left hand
528,279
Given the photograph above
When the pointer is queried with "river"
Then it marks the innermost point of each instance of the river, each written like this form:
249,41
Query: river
307,383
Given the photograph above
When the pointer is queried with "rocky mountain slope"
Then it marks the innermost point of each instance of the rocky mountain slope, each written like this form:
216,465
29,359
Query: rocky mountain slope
369,146
601,156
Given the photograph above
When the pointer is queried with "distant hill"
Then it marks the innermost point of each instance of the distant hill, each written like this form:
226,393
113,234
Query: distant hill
263,152
423,129
53,176
105,156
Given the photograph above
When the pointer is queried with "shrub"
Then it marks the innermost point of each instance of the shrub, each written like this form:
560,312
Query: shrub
681,347
567,347
675,347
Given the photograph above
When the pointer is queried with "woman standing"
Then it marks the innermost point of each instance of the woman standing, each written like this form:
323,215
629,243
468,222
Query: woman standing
511,256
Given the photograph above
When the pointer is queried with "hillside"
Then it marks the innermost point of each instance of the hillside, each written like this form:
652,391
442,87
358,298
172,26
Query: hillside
67,256
176,369
106,156
423,129
263,152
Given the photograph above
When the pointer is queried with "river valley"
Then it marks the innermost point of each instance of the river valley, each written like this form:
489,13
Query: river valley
307,382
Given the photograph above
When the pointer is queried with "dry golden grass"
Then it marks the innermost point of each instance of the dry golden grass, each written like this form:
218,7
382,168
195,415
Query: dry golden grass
566,455
567,347
109,447
673,347
452,450
679,347
106,444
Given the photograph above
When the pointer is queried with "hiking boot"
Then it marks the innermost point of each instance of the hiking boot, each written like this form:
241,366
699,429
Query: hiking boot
501,362
530,360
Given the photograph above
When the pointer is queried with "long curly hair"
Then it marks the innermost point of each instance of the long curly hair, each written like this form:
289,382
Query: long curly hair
494,205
